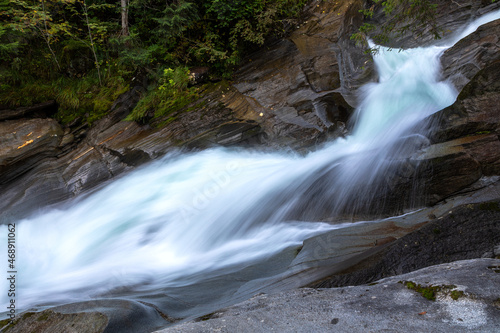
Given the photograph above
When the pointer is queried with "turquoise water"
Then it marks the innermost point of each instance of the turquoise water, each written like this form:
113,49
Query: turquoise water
199,212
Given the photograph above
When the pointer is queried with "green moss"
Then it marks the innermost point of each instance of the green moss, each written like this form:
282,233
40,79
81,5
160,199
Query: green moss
166,122
206,317
456,294
27,315
479,133
162,103
436,231
44,316
492,206
297,250
5,322
430,292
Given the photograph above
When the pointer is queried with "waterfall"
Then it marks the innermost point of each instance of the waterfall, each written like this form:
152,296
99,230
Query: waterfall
186,214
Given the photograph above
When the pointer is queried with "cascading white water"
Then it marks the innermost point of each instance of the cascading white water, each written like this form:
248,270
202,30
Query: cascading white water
192,213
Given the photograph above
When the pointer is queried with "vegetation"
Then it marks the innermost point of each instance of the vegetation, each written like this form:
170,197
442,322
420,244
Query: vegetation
170,94
492,206
431,292
83,52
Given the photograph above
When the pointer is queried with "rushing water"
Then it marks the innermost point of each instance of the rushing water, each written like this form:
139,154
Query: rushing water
199,212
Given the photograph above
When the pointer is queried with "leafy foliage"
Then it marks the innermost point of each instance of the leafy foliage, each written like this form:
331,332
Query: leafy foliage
75,51
171,94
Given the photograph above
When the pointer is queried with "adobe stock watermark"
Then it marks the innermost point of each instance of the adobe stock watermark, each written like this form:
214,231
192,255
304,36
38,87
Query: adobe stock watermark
11,271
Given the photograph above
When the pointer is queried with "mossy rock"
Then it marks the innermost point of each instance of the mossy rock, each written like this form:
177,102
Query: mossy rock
431,292
491,206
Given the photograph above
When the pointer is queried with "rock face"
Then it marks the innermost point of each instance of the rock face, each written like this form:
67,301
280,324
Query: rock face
465,292
476,109
472,54
451,18
465,136
299,84
460,149
23,143
465,232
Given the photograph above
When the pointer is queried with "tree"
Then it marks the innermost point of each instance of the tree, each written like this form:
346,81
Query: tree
124,17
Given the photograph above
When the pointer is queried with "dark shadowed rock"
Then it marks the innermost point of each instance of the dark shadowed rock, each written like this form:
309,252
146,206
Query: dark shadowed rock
438,178
465,232
42,110
227,134
198,75
475,111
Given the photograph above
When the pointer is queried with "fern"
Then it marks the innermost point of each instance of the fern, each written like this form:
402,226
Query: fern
175,19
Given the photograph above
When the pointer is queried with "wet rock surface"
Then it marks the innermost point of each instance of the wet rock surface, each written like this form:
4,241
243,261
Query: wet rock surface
24,143
464,232
99,316
472,54
387,305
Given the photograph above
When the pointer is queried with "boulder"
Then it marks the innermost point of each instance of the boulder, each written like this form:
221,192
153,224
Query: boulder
461,296
475,111
435,176
98,316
